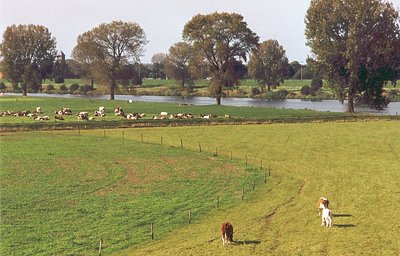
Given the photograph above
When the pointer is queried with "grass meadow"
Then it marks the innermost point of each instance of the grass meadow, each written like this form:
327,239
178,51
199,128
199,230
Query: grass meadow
51,104
62,191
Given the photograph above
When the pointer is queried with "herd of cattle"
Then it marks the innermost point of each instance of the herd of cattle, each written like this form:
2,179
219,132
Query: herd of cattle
323,203
101,112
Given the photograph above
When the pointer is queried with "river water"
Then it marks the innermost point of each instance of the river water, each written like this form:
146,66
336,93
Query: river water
324,105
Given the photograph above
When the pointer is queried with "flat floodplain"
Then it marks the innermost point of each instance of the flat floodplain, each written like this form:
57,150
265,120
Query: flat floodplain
63,191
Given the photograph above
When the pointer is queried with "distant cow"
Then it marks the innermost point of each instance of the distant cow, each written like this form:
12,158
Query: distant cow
226,233
119,112
83,116
322,203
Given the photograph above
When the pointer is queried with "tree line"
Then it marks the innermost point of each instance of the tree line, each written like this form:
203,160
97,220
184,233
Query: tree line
355,47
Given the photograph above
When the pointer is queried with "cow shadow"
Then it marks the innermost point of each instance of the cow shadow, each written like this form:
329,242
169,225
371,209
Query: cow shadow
338,215
342,215
243,242
344,225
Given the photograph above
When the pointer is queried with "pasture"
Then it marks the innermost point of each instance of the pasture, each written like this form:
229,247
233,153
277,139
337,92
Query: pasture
63,191
51,104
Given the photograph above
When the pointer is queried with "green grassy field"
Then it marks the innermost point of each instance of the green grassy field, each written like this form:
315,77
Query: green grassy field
49,105
61,192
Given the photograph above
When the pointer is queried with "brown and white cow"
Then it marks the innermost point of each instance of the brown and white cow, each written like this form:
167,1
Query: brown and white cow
226,233
322,204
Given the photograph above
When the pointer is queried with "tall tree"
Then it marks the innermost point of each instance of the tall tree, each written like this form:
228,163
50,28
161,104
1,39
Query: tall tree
356,47
109,46
176,62
268,64
221,38
27,55
158,65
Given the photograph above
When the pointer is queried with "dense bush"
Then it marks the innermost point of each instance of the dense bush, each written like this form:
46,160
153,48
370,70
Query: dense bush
255,91
316,85
85,88
49,88
63,88
59,79
305,90
73,87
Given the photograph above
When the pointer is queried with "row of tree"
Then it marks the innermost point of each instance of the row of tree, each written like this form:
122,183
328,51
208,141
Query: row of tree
355,46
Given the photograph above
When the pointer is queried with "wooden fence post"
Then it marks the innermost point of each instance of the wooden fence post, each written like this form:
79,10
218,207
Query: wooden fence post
261,165
243,193
190,216
217,202
123,135
141,135
199,147
100,246
152,231
216,152
161,140
269,171
265,177
181,143
104,133
246,160
254,185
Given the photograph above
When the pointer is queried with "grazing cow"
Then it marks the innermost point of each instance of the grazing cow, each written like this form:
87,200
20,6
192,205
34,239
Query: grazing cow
119,112
41,118
322,203
326,217
83,116
99,113
63,111
58,117
226,233
132,116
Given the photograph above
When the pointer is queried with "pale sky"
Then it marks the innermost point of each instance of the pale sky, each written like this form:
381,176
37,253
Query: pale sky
162,21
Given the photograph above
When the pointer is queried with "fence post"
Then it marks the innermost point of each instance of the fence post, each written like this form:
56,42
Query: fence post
141,135
161,140
269,171
231,155
190,216
254,185
243,193
246,160
100,246
123,135
261,165
216,152
104,133
181,143
265,177
199,147
217,202
152,231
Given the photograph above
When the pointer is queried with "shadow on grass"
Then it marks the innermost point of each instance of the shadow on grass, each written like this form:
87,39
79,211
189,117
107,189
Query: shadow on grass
344,225
241,242
341,215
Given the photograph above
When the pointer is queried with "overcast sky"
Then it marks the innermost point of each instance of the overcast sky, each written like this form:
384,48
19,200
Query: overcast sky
162,20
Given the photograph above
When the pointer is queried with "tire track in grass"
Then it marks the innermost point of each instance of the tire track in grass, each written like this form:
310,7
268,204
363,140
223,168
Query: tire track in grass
269,217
